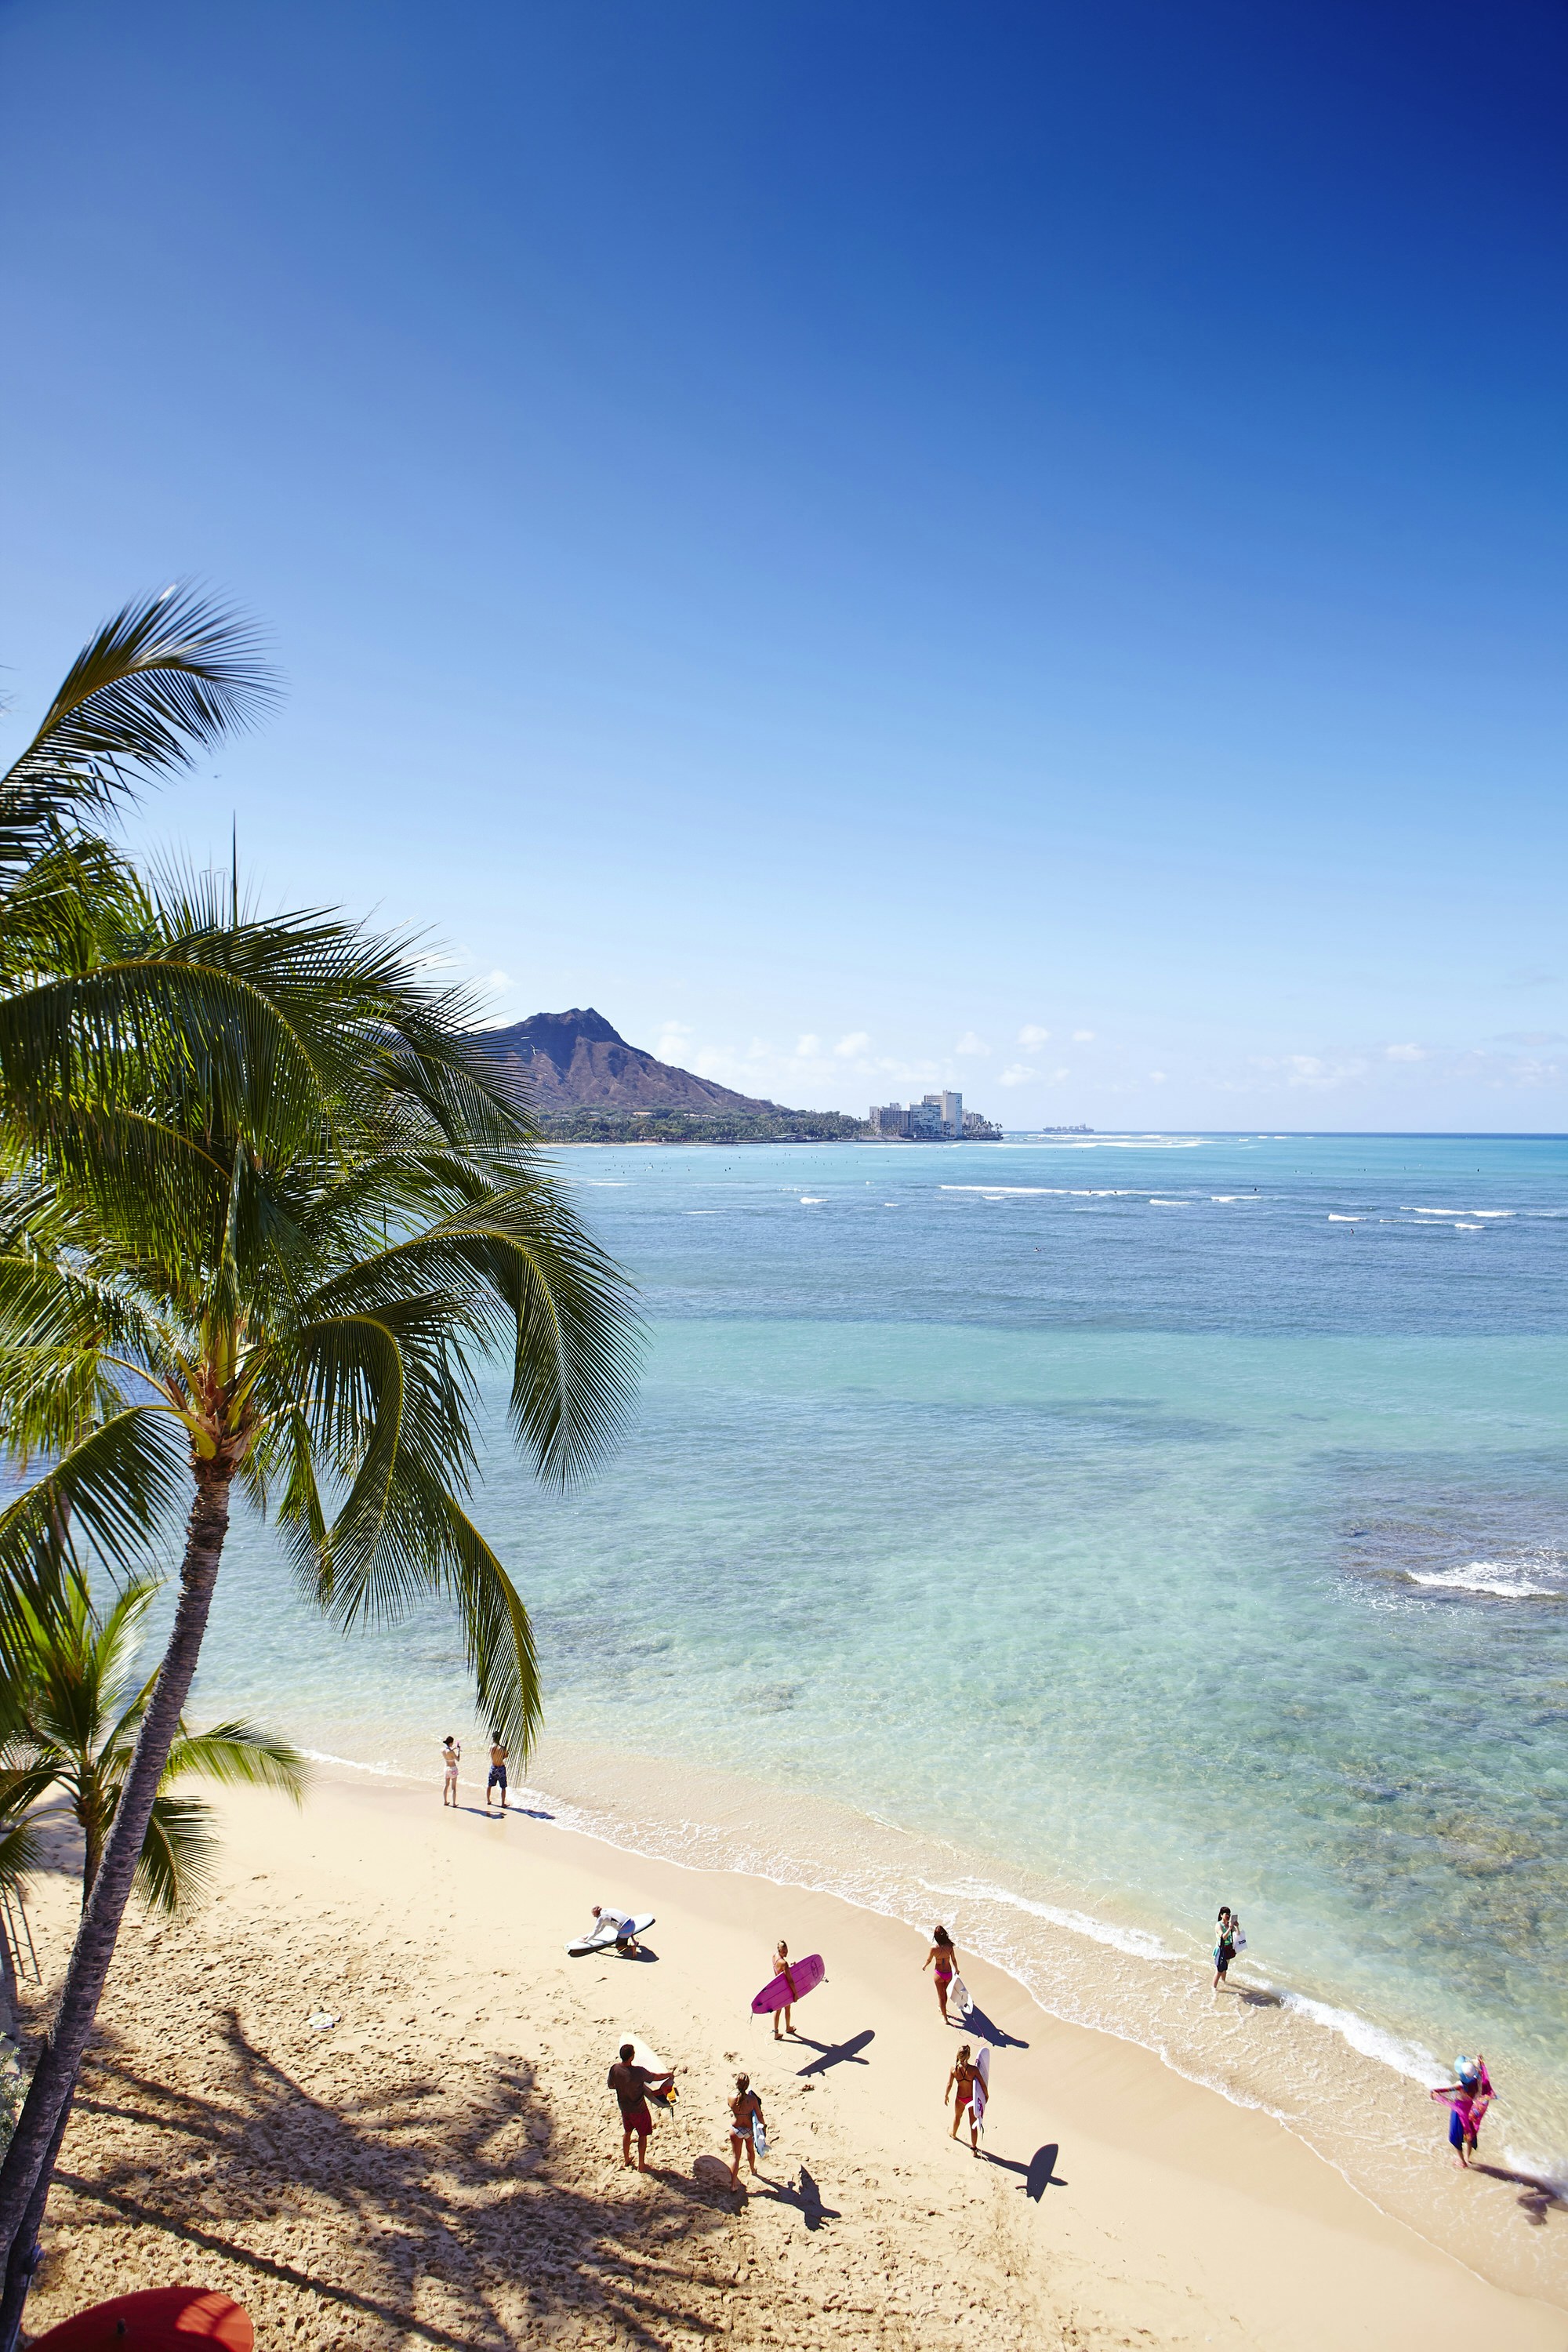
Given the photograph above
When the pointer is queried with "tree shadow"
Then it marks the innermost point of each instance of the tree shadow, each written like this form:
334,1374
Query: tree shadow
445,2225
835,2054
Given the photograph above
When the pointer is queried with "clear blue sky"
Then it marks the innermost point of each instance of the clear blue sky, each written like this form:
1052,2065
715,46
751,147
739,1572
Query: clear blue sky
850,534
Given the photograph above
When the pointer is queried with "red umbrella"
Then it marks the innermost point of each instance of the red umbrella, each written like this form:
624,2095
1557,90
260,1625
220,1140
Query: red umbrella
164,2319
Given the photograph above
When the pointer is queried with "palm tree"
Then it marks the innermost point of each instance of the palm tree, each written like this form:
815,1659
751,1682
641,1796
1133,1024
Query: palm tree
270,1210
76,1712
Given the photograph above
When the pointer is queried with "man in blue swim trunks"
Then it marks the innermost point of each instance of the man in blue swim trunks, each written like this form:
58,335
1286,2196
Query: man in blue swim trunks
497,1772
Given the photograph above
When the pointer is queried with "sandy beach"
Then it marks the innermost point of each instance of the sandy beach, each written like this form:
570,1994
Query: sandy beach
443,2165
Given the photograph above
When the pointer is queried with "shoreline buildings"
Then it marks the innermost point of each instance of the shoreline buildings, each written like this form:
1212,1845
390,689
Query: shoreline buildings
939,1118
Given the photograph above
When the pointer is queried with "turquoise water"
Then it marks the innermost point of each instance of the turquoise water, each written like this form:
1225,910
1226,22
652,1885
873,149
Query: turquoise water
1148,1521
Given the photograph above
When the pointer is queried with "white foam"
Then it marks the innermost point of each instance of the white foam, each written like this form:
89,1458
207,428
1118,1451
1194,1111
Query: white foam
1139,1943
1506,1580
1407,2058
995,1192
1335,1219
812,1201
1154,1202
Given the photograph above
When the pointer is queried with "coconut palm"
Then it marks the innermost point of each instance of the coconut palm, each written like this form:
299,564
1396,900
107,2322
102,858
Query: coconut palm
76,1712
269,1212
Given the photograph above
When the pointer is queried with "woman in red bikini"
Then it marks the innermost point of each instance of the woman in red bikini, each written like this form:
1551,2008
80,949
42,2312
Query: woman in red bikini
942,1960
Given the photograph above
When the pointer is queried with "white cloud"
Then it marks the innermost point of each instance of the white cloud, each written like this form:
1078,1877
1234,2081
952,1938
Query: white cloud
970,1043
1031,1034
1158,1077
1018,1074
495,983
808,1048
1405,1052
855,1044
1083,1036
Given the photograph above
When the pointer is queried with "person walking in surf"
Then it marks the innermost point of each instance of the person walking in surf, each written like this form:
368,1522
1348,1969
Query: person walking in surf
1228,1940
942,1961
1466,2102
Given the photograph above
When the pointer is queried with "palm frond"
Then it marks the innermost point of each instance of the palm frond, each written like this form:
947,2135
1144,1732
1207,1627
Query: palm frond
117,1486
167,676
239,1756
178,1855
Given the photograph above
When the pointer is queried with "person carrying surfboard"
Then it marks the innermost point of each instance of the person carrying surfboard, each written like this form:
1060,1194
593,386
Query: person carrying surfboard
782,1968
966,2089
942,1960
746,2124
630,2085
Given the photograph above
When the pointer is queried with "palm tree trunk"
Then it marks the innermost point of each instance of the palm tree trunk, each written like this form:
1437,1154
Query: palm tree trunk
28,2164
23,2260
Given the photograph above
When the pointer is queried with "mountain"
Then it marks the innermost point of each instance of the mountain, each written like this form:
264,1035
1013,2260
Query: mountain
574,1060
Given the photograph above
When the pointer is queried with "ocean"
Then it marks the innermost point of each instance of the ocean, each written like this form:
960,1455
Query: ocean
1059,1537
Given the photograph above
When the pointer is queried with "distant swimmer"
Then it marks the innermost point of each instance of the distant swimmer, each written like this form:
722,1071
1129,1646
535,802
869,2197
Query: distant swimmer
451,1756
781,1969
1228,1941
498,1771
1467,2101
942,1961
966,2089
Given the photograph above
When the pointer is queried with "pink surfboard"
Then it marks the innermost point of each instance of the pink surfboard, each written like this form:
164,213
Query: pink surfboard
800,1977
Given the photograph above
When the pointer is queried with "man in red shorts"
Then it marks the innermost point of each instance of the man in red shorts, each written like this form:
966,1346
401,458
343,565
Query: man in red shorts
630,2082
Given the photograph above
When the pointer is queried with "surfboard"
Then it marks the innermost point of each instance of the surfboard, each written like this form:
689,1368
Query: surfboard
958,1997
642,2055
157,2319
602,1939
980,2095
800,1977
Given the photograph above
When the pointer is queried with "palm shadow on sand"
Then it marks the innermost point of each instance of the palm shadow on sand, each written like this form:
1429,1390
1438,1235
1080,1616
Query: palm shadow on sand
417,2184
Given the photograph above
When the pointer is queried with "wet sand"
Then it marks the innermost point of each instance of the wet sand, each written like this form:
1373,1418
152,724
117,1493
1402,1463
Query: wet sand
443,2166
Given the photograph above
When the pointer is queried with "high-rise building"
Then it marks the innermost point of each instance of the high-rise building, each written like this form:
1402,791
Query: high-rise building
952,1114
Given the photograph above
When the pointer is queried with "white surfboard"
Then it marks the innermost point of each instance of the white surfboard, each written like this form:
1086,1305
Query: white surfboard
605,1931
980,2096
958,1997
644,2057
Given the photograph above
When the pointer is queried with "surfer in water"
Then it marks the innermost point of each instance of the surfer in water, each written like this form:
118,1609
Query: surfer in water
942,1960
961,2090
781,1969
745,2118
451,1756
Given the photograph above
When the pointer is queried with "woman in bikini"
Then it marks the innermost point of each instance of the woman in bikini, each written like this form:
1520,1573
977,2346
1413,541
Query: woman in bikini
942,1959
746,2113
451,1756
781,1969
961,2091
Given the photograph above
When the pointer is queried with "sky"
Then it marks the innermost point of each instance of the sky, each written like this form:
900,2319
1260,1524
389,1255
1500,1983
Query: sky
878,544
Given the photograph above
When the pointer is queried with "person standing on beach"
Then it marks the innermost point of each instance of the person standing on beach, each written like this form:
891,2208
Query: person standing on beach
781,1969
961,2090
498,1771
1226,1941
451,1756
942,1960
630,2082
746,2118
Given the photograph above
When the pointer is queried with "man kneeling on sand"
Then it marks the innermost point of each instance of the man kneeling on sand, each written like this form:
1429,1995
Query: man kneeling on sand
630,2083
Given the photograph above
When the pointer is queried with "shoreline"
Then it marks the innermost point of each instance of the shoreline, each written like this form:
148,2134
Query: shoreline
438,1942
1348,2091
1166,2207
